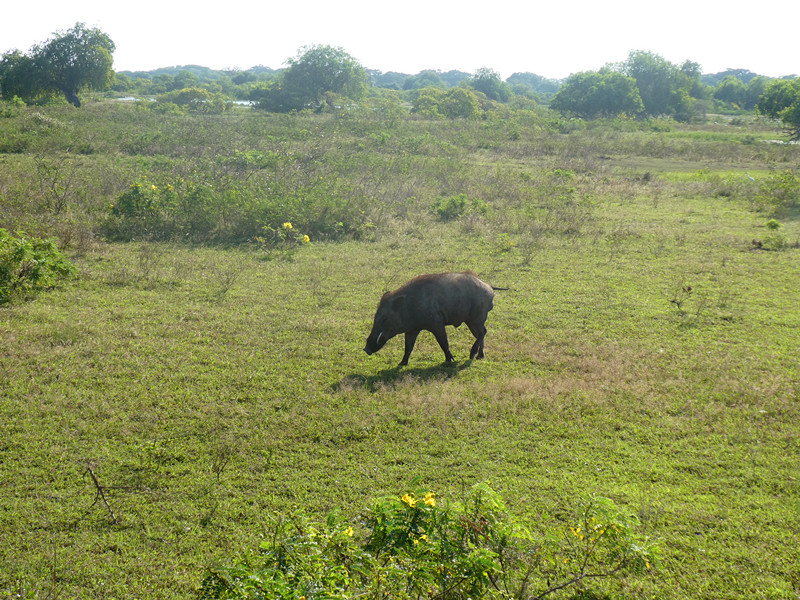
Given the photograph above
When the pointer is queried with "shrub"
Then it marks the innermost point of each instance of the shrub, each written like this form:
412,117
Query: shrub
284,239
780,189
456,103
197,100
415,547
449,209
29,265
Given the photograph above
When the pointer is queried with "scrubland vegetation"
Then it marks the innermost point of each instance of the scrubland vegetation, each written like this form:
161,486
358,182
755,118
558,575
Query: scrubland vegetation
196,393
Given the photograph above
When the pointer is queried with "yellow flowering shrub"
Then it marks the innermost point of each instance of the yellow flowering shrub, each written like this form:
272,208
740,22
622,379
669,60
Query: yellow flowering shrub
410,547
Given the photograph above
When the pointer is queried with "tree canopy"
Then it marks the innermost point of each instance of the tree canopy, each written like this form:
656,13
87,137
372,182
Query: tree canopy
313,74
781,101
455,103
665,88
72,61
489,83
598,94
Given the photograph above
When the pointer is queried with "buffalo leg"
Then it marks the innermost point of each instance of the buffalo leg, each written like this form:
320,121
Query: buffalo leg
441,336
479,331
411,339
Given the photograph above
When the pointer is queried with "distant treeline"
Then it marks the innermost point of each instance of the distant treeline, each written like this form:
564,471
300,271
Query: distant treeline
178,77
730,88
321,77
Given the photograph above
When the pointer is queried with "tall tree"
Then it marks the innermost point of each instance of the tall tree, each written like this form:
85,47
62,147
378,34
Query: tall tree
424,79
315,72
598,94
731,89
781,101
18,76
537,83
755,89
664,87
74,60
489,83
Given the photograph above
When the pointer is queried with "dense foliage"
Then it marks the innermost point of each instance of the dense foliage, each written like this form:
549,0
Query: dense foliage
29,265
74,60
416,546
665,88
781,101
317,74
598,94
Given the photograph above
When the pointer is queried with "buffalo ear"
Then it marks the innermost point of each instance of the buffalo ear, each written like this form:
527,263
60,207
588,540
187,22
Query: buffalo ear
397,302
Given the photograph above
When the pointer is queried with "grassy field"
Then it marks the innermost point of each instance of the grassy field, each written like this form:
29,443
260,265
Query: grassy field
646,350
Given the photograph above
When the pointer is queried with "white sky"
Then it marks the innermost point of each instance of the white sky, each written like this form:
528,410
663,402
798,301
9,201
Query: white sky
549,38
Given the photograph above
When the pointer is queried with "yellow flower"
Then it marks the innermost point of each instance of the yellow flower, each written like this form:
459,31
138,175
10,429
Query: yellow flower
429,499
424,537
349,531
306,239
410,500
153,187
287,225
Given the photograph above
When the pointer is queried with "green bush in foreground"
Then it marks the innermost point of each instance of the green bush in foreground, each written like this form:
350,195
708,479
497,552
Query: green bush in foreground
29,265
413,547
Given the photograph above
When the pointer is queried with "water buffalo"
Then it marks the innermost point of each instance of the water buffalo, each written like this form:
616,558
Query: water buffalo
431,302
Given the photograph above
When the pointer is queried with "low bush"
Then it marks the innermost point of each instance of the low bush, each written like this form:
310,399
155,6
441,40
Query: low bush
29,265
413,546
449,209
779,190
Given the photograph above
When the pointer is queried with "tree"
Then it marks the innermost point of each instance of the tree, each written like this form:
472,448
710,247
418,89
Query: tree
424,79
693,71
489,83
732,90
598,94
664,88
18,76
781,101
73,61
755,89
536,82
455,103
313,74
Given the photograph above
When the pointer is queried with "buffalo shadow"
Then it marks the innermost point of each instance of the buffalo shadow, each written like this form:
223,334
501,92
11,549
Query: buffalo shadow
393,375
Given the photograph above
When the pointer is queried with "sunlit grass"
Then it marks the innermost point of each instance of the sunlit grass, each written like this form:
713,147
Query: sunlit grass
209,387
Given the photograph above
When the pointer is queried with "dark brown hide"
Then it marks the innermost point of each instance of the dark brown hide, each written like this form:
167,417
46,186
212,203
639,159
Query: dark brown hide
430,302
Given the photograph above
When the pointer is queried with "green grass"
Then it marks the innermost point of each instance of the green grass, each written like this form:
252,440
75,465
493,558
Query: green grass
208,387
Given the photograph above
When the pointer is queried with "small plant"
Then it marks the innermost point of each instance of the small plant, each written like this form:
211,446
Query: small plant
504,243
773,224
226,278
148,259
284,239
450,209
29,265
680,296
414,546
56,181
775,241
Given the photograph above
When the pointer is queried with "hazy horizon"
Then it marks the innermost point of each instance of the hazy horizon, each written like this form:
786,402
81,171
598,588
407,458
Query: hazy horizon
548,40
